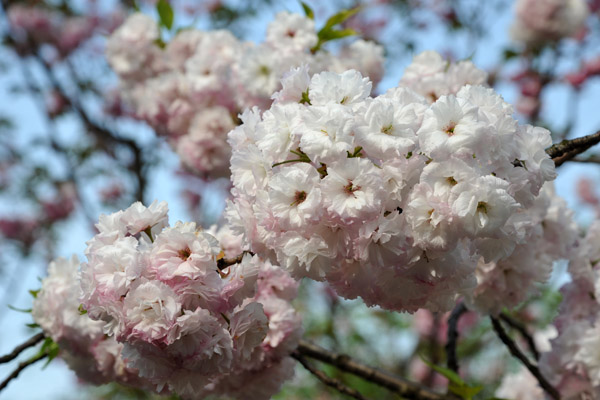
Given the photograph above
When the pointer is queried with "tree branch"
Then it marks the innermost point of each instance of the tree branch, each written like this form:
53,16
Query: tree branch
568,149
331,382
516,352
523,331
404,388
19,349
452,360
20,368
587,160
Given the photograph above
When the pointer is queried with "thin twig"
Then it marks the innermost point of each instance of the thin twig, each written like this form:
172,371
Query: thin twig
587,160
452,359
19,349
516,352
523,331
568,149
20,368
403,387
331,382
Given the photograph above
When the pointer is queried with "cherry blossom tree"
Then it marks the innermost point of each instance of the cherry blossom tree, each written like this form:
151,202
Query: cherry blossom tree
415,228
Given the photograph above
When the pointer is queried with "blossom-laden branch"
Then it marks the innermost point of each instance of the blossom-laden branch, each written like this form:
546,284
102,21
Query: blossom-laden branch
516,352
404,388
568,149
331,382
20,348
522,329
21,367
452,360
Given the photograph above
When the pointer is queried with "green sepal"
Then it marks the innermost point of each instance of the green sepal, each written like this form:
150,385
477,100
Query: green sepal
23,310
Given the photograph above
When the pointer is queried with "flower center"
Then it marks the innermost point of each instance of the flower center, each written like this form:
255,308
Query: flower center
482,207
299,197
450,128
451,180
387,129
350,188
184,254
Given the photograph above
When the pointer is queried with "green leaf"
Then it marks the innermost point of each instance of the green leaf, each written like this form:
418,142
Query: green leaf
465,391
81,310
165,13
337,34
34,293
456,385
339,18
448,373
308,11
23,310
32,325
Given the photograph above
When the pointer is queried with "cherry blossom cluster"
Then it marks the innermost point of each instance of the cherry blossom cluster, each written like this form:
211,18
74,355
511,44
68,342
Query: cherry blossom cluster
93,356
432,76
550,234
65,33
192,89
403,202
541,21
573,364
187,325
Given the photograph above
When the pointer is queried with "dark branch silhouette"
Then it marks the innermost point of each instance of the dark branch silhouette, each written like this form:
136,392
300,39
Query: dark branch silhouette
20,348
522,329
516,352
331,382
568,149
20,368
403,387
452,359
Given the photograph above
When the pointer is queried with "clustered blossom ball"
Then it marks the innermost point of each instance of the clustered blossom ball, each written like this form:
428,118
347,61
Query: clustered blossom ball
541,21
391,198
93,356
573,364
192,89
187,326
431,76
549,234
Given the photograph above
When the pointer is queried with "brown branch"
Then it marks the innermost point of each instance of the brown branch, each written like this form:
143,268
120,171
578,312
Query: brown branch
403,387
19,349
587,160
568,149
516,352
20,368
522,329
451,358
331,382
